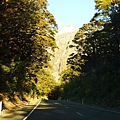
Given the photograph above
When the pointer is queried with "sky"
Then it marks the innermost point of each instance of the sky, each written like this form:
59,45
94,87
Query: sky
75,12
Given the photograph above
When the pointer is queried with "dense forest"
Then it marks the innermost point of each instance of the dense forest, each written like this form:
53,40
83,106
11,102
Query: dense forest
27,31
93,71
27,43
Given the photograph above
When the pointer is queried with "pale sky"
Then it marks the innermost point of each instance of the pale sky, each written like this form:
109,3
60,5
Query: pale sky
76,12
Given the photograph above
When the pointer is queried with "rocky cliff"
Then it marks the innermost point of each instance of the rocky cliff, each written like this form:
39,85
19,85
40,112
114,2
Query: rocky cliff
63,39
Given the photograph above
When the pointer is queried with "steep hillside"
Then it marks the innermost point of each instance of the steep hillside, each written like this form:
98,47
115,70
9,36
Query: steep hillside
63,39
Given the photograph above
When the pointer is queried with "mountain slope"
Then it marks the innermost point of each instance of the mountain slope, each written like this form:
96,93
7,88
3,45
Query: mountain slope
63,40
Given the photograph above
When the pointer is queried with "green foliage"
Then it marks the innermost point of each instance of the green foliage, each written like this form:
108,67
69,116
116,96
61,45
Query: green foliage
97,59
45,82
55,93
105,4
27,31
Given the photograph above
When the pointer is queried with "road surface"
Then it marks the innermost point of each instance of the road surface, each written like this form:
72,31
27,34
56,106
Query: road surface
62,110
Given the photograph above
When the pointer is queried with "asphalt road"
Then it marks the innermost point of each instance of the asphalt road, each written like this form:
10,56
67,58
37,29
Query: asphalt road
62,110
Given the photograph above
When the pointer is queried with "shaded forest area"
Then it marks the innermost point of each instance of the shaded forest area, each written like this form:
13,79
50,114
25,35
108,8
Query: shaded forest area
27,37
93,71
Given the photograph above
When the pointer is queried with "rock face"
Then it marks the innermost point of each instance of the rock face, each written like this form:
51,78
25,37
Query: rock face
64,38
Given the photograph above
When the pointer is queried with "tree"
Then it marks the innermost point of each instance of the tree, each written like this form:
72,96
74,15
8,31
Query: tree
27,31
97,57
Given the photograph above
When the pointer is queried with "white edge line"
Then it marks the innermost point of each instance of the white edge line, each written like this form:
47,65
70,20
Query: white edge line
79,114
32,110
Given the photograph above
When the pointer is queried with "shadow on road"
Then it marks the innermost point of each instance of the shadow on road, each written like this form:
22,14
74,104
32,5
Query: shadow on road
17,114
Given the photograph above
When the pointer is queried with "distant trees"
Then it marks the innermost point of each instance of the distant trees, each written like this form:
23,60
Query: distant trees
27,31
97,59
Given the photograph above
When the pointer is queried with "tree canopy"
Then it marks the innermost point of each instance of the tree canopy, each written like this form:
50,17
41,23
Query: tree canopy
27,37
97,59
27,31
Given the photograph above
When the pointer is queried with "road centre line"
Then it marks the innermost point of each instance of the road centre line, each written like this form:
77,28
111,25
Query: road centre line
32,110
79,114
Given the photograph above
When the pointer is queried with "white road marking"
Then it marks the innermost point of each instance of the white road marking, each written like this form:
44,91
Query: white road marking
79,114
32,110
